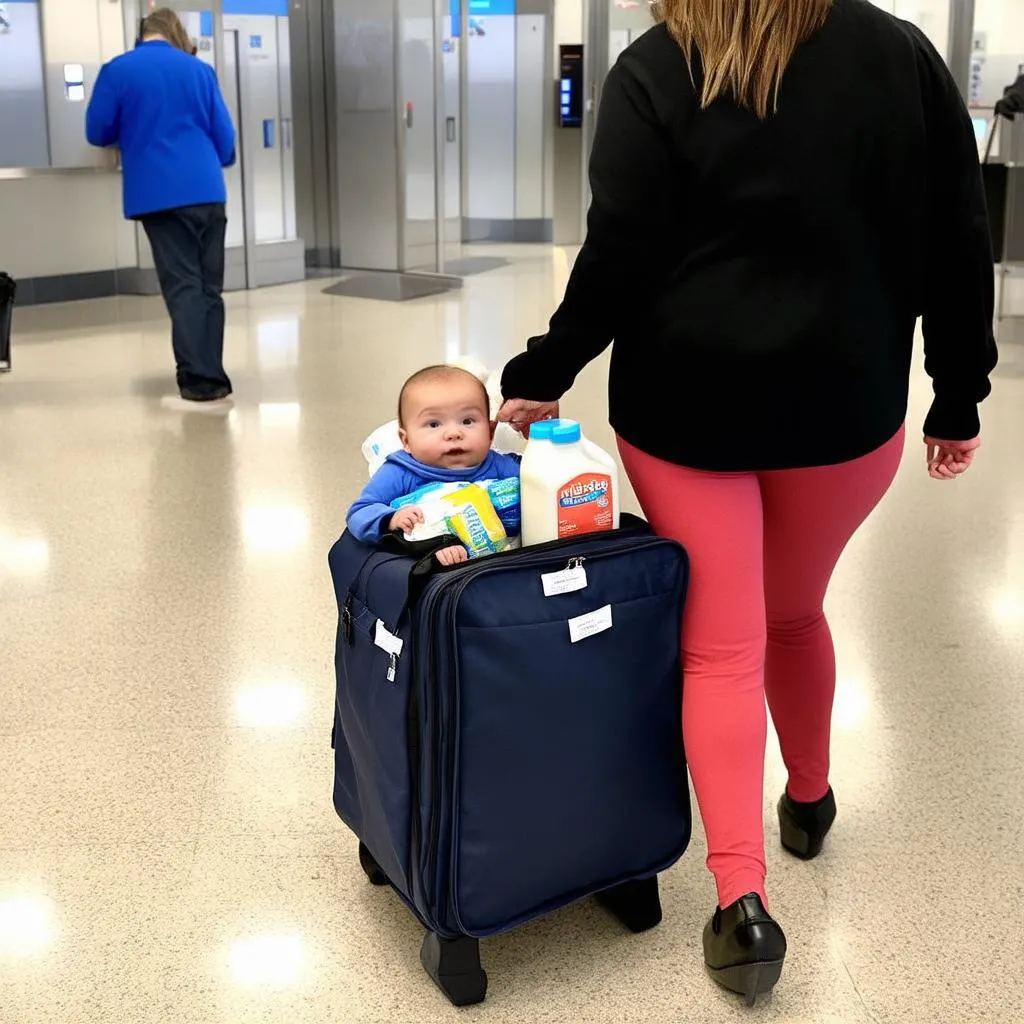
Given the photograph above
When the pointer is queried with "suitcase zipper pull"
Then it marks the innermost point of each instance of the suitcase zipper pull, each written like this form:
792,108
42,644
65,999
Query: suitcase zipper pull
392,667
346,620
577,562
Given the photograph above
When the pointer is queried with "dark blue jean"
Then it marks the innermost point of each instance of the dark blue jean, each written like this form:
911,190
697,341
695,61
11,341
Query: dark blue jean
188,250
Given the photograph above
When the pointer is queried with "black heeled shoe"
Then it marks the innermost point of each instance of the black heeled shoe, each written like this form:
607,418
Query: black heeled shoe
803,827
744,948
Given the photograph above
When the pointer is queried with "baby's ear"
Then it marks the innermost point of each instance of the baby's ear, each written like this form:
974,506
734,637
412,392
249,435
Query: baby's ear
403,436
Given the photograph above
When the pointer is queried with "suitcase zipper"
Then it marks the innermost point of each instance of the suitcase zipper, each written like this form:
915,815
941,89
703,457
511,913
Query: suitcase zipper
434,715
539,557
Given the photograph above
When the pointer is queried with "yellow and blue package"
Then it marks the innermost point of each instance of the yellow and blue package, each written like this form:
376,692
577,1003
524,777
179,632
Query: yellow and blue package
504,495
464,511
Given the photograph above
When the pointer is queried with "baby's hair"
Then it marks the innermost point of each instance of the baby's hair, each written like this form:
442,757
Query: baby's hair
437,375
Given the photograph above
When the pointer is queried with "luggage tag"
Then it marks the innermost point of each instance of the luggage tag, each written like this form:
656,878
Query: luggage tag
390,645
590,624
568,581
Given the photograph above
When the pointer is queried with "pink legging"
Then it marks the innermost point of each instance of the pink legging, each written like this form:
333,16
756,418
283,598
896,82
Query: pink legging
763,547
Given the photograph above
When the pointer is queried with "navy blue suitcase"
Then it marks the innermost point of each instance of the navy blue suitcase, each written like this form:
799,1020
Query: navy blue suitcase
501,753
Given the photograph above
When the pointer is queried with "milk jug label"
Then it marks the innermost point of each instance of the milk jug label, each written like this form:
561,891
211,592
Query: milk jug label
585,505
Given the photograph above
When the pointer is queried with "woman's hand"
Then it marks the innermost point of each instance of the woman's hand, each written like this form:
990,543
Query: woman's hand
949,459
520,413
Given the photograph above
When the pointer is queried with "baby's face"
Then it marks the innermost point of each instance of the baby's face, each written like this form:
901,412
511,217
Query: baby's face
447,424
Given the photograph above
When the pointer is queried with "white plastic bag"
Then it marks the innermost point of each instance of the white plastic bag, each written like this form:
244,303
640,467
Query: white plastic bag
384,441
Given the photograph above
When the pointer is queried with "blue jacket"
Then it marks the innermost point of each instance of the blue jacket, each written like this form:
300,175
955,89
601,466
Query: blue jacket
401,475
164,109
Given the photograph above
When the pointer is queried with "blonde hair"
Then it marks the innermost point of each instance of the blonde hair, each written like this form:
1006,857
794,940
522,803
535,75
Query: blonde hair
745,46
164,22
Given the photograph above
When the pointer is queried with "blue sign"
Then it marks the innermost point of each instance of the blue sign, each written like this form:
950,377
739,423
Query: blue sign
481,7
277,8
255,42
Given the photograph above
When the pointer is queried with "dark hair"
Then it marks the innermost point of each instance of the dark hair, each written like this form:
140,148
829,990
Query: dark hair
436,375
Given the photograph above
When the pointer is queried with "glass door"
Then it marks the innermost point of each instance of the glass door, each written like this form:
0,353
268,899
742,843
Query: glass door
998,50
431,139
418,61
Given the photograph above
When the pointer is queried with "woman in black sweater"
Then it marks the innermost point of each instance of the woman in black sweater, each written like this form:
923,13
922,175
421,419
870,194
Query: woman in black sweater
780,189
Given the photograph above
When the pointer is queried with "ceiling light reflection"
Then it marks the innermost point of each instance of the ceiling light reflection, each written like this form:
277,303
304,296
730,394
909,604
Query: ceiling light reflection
1006,606
271,705
852,703
278,415
275,529
268,961
277,342
28,925
28,555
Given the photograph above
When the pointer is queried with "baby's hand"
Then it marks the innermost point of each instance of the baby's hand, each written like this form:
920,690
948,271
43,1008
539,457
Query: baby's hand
453,555
405,519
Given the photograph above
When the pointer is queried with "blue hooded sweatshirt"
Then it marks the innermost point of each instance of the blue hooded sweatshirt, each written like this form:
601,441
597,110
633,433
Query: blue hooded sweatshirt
401,474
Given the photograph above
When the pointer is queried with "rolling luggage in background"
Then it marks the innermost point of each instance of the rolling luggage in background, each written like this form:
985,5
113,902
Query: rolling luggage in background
8,291
508,733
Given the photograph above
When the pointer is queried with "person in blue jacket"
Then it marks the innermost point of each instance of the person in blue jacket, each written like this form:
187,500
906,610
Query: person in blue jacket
446,431
163,108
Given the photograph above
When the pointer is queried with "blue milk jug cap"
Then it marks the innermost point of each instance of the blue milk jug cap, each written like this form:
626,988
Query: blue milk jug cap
567,432
542,430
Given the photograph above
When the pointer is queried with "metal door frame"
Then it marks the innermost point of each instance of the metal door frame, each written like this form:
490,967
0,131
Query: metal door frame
244,143
961,44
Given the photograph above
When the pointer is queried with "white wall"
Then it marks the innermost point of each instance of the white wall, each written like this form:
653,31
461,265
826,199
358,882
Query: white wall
63,224
568,25
931,16
1003,21
69,223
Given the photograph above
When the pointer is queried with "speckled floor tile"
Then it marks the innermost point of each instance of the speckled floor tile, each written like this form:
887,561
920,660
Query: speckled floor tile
168,850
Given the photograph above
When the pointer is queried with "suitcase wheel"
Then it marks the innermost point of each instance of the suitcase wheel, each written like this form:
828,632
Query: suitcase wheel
636,904
454,967
371,867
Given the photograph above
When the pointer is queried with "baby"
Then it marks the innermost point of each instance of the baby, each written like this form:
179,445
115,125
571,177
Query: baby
446,430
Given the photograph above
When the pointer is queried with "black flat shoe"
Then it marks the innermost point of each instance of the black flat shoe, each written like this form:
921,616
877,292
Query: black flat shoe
215,395
803,827
744,948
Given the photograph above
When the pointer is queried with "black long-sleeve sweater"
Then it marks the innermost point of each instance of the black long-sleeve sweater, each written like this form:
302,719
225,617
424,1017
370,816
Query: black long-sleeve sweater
762,280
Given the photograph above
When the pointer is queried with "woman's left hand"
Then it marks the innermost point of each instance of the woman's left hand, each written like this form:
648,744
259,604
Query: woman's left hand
520,413
949,459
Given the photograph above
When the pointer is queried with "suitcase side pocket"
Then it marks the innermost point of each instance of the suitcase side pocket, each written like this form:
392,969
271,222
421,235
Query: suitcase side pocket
372,784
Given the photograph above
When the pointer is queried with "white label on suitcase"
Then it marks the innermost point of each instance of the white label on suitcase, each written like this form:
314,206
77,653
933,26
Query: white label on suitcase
568,581
590,624
388,642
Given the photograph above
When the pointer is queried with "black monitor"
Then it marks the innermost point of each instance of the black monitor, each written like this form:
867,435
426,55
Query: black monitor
570,87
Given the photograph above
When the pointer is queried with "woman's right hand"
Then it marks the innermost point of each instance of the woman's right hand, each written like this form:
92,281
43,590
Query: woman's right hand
520,413
949,459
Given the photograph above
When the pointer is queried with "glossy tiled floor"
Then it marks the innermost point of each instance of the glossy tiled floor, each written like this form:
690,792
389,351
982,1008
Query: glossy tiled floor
168,850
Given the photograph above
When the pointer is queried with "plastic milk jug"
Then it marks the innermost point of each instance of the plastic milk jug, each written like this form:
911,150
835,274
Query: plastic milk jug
569,486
